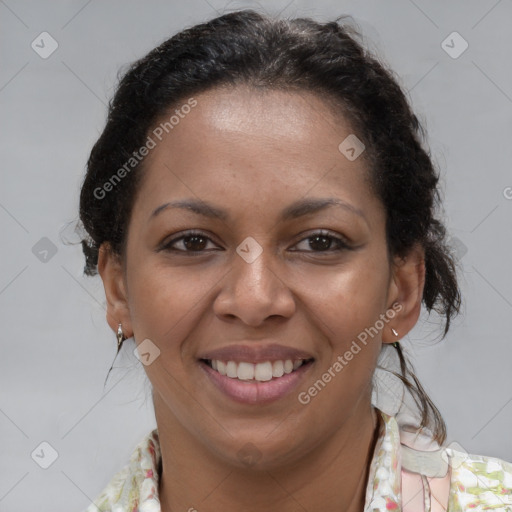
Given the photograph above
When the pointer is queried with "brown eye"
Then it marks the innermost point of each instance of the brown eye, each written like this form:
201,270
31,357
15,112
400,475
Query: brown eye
323,242
189,242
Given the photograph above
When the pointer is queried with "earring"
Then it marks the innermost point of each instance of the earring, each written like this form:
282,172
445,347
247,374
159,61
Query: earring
397,342
120,337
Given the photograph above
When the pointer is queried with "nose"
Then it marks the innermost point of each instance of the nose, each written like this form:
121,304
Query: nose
253,292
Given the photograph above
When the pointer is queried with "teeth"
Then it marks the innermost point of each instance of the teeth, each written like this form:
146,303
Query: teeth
221,367
231,369
260,372
278,369
245,371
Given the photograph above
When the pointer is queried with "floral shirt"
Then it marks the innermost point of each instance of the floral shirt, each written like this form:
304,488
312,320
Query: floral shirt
475,483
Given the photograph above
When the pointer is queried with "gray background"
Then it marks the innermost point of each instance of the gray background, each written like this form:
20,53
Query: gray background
56,345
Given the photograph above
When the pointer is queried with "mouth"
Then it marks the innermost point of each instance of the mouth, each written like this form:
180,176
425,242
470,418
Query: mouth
253,378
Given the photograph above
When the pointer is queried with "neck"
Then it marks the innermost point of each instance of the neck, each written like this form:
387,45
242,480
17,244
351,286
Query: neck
337,471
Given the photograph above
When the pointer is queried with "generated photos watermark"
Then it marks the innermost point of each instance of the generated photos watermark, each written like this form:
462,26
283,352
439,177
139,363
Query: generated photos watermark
363,337
143,151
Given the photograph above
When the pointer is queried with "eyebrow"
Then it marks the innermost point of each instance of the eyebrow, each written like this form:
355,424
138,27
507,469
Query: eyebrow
298,209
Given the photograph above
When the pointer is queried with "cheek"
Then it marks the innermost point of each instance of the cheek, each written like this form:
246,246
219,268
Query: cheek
346,307
348,300
164,302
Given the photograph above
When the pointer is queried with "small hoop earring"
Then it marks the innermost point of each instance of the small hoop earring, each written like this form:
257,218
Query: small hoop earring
120,337
397,342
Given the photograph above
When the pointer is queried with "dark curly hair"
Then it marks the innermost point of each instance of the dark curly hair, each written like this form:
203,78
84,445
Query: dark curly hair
249,48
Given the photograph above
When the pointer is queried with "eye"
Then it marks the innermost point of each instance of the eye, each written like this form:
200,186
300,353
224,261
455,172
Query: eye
196,241
323,241
191,241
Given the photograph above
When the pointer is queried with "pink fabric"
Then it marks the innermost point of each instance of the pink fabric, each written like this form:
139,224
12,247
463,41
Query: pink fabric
413,492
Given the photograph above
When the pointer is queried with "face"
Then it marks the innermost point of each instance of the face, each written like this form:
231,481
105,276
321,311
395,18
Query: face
257,249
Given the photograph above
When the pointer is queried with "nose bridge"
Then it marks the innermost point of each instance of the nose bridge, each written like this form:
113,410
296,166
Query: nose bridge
252,290
252,265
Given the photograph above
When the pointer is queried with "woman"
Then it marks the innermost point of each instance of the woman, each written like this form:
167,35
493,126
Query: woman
263,217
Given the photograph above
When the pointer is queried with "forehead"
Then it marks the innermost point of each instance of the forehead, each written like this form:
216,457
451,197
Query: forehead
289,118
282,114
244,140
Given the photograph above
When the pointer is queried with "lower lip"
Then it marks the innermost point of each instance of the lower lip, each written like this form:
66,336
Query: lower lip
253,392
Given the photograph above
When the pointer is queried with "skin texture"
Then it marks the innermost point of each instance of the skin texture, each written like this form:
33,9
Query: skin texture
254,153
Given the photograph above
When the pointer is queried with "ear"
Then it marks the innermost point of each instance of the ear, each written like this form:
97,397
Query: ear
405,289
111,271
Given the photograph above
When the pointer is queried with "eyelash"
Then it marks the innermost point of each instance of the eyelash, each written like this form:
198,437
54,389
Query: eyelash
340,242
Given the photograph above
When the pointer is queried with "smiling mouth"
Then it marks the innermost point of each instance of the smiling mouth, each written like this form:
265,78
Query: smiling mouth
256,372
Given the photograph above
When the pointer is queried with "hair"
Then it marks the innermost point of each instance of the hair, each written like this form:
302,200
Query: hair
246,48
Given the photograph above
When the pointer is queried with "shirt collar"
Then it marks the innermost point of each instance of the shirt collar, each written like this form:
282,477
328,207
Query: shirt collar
383,490
136,486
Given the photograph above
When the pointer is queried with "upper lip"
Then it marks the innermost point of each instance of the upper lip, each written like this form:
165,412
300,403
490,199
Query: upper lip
255,353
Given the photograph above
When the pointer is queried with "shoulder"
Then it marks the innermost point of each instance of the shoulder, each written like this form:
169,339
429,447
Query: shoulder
111,493
479,482
458,480
136,483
